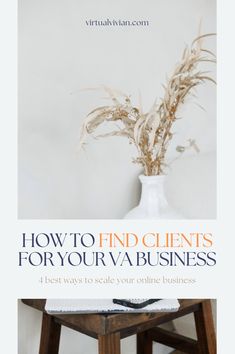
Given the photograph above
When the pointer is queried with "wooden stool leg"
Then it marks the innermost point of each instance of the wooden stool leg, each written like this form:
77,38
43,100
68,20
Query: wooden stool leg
144,343
50,335
109,343
205,329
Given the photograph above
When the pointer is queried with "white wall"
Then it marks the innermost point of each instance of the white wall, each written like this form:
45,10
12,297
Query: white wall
58,56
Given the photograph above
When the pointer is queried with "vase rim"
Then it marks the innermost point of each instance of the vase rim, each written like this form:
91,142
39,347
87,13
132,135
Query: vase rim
144,178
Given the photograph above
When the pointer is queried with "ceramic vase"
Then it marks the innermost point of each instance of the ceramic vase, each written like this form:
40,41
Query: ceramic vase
153,202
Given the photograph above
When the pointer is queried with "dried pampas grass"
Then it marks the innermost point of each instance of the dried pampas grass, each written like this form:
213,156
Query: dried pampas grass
151,132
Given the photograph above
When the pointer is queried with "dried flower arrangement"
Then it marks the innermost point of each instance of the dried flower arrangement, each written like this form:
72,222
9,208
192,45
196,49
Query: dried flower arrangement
151,132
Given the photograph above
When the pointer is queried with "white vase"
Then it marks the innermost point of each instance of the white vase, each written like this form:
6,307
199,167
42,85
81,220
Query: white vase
153,203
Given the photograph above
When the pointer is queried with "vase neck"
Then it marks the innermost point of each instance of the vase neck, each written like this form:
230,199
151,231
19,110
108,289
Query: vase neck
153,193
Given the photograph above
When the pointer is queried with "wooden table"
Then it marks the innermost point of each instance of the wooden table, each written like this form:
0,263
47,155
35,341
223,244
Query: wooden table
109,329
